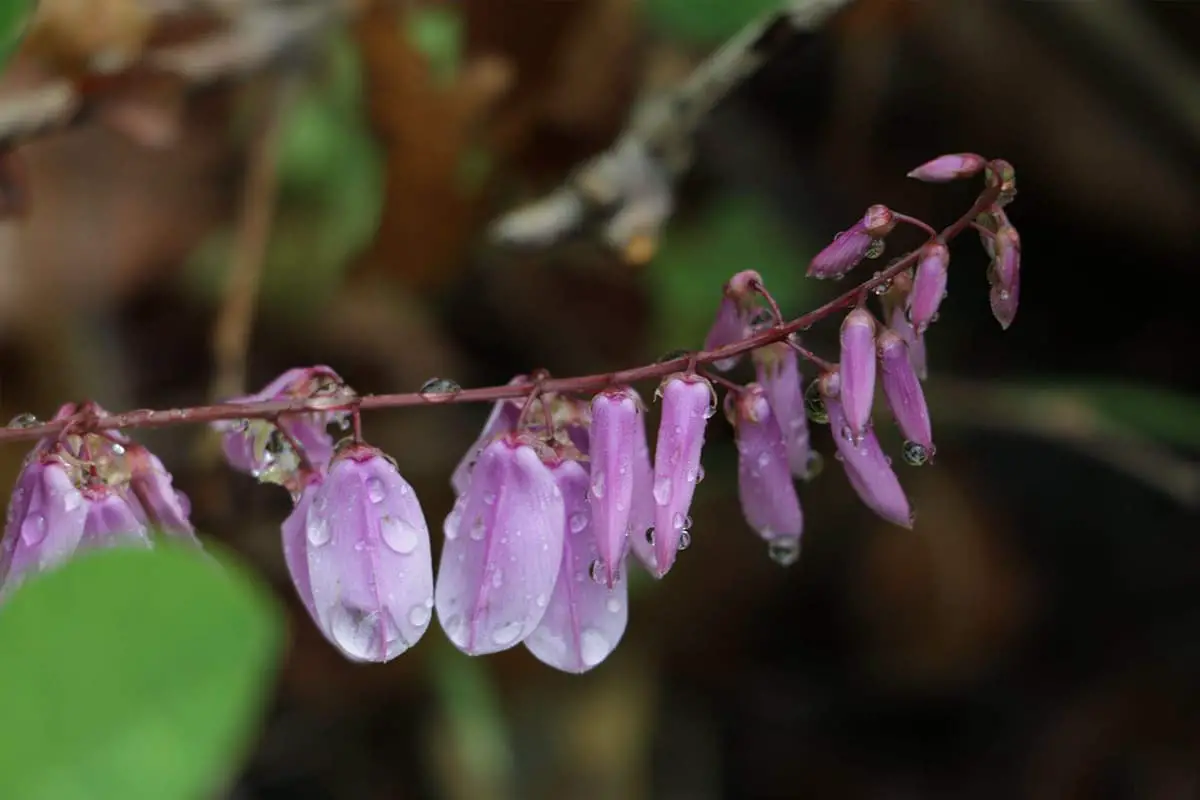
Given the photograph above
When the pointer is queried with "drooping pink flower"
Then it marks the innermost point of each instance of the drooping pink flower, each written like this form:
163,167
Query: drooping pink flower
732,323
914,340
613,451
503,550
45,522
503,419
765,488
687,403
154,499
949,167
929,285
584,618
778,372
861,240
905,397
369,563
294,538
1005,275
858,369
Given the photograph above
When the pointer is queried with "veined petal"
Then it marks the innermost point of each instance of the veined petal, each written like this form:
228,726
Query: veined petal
641,514
613,451
687,403
369,562
858,368
50,529
502,551
866,465
111,521
155,501
905,397
294,532
765,488
502,419
584,619
778,372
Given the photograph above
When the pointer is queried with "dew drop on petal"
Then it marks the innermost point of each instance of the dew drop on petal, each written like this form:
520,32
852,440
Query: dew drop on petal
699,473
541,600
418,615
318,531
489,498
596,572
650,535
613,605
598,485
593,647
376,492
816,463
764,460
784,552
34,533
814,404
685,540
578,522
915,454
359,632
507,634
398,534
477,529
662,490
677,521
876,248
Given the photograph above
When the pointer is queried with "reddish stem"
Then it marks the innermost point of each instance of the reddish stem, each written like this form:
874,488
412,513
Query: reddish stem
584,384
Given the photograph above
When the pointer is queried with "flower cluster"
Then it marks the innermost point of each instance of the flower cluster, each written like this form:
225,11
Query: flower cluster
562,491
87,490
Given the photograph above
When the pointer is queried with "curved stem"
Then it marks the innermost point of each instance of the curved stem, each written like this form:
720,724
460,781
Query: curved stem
270,409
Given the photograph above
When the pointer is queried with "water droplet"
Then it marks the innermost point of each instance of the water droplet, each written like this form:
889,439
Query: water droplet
699,473
507,634
593,647
597,572
915,454
875,249
764,460
497,578
375,490
418,615
662,490
118,449
613,605
881,288
816,463
456,630
24,420
398,534
477,529
318,530
439,390
677,521
650,535
685,539
365,635
72,501
578,522
34,530
784,552
541,600
598,485
489,498
814,404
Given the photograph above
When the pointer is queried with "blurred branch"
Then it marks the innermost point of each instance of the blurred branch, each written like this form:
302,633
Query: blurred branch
231,333
1065,416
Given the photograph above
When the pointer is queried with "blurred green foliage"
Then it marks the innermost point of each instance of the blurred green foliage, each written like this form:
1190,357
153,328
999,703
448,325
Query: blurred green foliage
705,21
13,16
131,674
698,256
1162,414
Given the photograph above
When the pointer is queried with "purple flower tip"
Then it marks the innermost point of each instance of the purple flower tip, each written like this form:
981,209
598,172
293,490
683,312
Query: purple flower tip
858,368
867,467
732,323
503,550
584,618
842,254
778,372
156,502
929,285
949,167
614,446
905,397
765,488
688,401
366,544
46,520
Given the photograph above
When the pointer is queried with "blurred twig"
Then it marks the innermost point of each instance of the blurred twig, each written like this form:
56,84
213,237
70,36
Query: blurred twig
231,333
1064,416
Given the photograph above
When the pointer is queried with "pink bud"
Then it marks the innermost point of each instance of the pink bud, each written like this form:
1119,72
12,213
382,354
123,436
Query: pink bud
687,403
858,369
905,397
613,450
584,618
949,167
503,550
929,285
842,254
879,221
732,323
1005,275
778,371
765,487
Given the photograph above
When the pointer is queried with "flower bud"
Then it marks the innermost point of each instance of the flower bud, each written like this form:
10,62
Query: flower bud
613,449
584,618
688,401
503,550
369,564
929,285
155,501
765,487
879,221
732,323
1001,173
949,167
905,397
866,465
858,369
778,372
1005,275
842,254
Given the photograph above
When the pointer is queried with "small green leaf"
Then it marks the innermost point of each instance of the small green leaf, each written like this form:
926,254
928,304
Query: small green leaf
131,674
709,21
13,16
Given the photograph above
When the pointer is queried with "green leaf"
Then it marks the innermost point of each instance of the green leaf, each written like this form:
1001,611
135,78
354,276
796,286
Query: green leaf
13,16
131,674
697,257
708,21
1157,412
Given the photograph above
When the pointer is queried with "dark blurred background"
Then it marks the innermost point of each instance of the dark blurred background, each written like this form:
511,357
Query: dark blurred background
1036,635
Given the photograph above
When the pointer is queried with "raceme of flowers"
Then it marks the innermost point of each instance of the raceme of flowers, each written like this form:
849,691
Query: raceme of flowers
561,493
